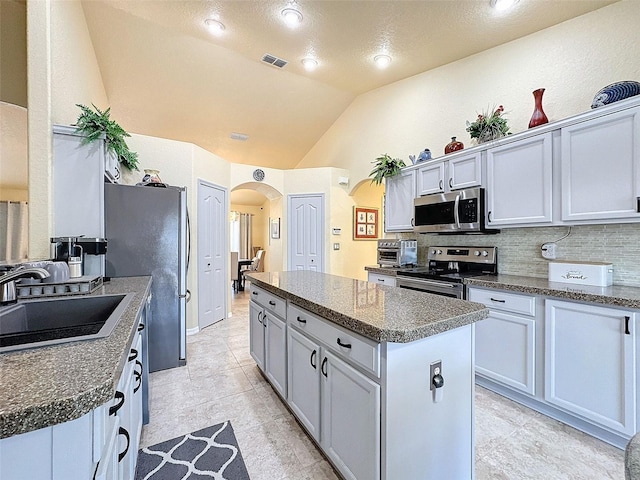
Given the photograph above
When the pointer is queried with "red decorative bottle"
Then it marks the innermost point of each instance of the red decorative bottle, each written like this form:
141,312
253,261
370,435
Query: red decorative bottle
453,146
538,117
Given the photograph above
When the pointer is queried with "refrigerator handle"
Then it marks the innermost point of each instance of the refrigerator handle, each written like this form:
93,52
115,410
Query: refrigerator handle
187,296
188,241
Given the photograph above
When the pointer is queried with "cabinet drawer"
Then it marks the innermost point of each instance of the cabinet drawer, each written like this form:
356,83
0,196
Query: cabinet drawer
509,302
361,351
269,301
387,280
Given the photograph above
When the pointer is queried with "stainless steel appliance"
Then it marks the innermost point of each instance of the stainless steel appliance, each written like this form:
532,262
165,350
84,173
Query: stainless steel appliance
462,211
447,269
147,233
397,253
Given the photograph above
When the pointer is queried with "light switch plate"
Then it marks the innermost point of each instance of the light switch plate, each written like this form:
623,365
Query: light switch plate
337,231
336,246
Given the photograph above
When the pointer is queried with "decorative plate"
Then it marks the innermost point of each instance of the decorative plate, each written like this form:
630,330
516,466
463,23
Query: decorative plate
258,175
615,92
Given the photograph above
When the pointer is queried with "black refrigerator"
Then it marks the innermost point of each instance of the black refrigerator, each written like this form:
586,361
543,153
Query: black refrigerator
147,234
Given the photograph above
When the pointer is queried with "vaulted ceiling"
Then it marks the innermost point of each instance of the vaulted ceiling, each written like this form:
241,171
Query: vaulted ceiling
167,75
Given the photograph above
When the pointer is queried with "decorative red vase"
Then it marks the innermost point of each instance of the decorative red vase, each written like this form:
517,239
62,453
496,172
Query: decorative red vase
453,146
538,117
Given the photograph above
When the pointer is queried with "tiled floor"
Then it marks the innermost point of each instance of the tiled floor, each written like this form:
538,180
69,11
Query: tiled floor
221,382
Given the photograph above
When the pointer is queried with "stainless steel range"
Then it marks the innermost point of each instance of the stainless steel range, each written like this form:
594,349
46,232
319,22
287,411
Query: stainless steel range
447,269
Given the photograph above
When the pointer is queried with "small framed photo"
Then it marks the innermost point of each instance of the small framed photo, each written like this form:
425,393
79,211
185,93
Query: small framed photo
275,227
365,223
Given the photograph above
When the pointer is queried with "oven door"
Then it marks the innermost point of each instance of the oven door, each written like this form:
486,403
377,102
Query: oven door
437,287
389,257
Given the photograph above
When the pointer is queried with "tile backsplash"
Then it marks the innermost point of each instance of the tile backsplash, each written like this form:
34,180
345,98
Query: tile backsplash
519,248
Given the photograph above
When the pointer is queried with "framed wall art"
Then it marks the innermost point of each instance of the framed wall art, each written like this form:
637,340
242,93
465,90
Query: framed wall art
365,223
275,227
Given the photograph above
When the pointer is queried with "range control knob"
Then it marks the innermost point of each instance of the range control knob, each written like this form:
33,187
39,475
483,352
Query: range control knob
477,253
433,252
485,253
439,252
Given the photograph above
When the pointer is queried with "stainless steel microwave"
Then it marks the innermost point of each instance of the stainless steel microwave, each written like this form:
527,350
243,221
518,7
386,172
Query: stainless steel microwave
462,211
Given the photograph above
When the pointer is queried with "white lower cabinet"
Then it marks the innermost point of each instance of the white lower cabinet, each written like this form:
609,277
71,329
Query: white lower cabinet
350,416
378,278
268,336
505,341
590,363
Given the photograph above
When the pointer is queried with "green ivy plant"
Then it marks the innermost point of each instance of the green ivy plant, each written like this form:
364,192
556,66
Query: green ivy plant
94,123
384,167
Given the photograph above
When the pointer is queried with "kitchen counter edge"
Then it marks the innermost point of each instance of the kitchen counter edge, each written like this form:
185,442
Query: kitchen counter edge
68,381
614,295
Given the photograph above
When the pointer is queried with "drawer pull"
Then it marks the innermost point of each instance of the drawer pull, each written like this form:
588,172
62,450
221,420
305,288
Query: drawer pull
323,367
138,376
627,318
301,320
133,355
114,409
123,431
254,293
345,345
260,317
381,280
272,303
440,184
141,327
497,300
313,357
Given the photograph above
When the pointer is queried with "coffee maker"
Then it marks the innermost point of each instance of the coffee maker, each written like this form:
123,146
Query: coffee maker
90,250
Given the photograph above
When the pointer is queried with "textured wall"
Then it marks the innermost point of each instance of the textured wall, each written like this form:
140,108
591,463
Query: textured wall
572,60
519,248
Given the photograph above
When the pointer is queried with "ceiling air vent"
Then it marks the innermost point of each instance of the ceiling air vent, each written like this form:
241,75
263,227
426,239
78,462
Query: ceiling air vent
273,60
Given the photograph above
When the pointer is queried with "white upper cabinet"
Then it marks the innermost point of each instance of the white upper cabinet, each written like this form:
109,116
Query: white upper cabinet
600,168
519,188
398,205
453,174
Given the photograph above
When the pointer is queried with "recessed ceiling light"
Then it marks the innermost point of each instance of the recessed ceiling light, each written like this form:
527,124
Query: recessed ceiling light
310,64
502,5
382,61
292,16
215,26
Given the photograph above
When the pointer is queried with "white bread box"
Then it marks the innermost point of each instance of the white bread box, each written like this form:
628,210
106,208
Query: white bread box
583,273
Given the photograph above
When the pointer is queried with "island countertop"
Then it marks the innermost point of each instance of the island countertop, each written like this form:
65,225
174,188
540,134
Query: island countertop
378,312
45,386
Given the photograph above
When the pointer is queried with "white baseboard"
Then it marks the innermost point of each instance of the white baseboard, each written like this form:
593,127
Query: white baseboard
193,331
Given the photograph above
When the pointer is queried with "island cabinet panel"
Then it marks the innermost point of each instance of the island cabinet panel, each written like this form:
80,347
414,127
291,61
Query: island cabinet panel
387,280
590,363
519,188
350,419
400,192
425,436
268,336
304,380
601,168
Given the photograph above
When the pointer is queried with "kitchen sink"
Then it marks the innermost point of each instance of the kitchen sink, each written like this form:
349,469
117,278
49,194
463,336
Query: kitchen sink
48,322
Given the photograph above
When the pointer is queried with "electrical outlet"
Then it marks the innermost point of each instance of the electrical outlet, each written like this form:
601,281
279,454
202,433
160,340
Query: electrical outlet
435,369
548,251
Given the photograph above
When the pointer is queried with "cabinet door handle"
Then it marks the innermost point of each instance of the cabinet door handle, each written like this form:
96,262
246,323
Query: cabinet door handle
301,320
441,184
123,431
138,376
323,367
133,355
114,408
141,327
413,222
489,215
638,204
451,183
497,300
311,360
260,317
381,280
272,303
627,318
345,345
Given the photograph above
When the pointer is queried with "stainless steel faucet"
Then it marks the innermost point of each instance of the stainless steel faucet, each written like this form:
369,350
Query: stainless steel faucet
7,282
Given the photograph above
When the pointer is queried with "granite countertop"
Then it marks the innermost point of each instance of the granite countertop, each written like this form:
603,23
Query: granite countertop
378,312
46,386
616,295
391,271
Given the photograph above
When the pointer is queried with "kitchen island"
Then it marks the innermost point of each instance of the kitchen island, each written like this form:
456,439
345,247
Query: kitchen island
380,377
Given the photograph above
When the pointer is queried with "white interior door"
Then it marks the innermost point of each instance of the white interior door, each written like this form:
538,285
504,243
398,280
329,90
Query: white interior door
212,259
306,232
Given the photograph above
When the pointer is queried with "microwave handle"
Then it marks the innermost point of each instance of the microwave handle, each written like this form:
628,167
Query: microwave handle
456,213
